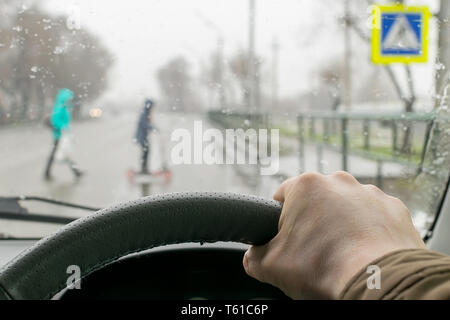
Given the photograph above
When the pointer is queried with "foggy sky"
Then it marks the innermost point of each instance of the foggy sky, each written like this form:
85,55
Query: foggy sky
143,35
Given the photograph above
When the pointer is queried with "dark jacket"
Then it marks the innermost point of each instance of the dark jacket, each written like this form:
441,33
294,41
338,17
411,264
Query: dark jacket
414,274
144,126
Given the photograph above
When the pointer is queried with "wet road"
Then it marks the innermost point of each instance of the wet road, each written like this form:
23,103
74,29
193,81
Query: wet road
104,149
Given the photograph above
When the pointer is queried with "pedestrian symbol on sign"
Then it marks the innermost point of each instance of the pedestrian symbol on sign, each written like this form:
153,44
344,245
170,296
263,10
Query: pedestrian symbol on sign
402,36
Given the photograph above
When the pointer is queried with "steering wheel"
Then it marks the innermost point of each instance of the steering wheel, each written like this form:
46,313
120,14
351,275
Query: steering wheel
97,240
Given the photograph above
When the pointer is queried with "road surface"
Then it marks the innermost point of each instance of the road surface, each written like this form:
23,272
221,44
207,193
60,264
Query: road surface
105,150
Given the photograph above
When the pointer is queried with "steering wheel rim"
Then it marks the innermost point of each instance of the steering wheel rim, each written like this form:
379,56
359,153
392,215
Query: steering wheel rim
94,241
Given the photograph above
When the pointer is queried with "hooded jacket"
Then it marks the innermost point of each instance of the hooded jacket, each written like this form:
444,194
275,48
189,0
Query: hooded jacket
144,127
61,114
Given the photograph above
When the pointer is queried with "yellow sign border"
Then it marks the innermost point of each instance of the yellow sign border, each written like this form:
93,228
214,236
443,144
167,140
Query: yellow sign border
377,12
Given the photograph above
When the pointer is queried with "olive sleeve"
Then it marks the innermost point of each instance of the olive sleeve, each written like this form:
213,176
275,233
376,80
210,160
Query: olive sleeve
407,274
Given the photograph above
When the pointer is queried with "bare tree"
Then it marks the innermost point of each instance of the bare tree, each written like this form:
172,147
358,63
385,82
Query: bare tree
239,66
175,82
213,77
408,98
40,55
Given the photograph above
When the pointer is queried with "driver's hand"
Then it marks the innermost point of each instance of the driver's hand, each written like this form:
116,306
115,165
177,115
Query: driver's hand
330,228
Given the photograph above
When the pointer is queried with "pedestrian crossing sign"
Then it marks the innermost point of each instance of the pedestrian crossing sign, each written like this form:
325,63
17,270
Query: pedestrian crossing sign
399,34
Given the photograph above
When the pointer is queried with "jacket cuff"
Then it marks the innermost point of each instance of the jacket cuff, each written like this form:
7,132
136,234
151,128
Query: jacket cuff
404,274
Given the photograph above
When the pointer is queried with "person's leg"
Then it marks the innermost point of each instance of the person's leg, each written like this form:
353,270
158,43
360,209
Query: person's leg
51,159
144,158
75,169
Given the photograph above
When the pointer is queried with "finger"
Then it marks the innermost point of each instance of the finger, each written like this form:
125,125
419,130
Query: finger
252,262
280,194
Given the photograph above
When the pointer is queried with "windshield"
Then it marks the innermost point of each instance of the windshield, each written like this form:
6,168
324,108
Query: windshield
103,102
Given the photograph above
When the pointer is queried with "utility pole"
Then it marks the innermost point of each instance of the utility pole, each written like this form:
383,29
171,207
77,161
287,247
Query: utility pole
275,66
220,69
347,60
251,56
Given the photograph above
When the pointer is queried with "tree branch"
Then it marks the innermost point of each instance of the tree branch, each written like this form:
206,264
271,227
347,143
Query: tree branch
395,83
349,21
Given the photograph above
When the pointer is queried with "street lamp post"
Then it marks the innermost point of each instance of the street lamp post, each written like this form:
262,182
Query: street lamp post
220,57
251,56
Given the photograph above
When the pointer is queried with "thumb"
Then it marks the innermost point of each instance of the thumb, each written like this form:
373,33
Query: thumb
253,262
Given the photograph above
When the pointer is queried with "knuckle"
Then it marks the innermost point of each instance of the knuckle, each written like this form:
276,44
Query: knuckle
287,182
344,175
400,212
399,203
373,188
309,178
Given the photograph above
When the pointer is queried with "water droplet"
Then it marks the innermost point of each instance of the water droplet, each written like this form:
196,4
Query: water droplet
323,162
439,66
438,161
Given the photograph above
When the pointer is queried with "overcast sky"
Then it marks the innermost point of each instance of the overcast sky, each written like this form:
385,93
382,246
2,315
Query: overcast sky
145,34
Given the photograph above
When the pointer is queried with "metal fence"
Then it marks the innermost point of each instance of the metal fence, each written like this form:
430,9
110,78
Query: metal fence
338,131
307,131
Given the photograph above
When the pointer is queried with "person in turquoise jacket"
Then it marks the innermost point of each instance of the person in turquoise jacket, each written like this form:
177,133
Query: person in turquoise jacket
60,120
61,114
